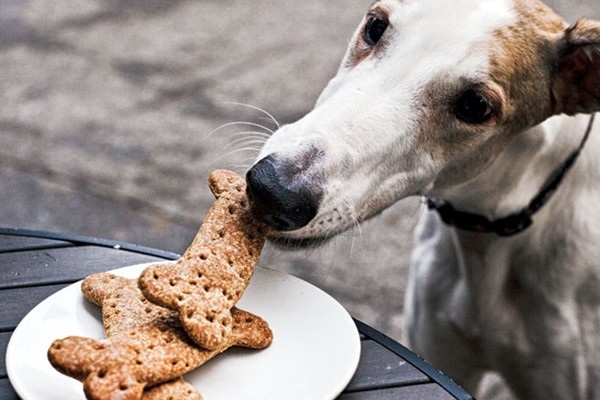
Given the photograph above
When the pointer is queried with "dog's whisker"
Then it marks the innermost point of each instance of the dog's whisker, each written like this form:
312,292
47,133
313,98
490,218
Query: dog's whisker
246,141
239,123
263,135
241,150
242,167
240,164
355,227
247,161
269,115
250,136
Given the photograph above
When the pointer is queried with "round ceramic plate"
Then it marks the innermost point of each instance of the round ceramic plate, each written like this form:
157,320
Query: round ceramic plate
314,354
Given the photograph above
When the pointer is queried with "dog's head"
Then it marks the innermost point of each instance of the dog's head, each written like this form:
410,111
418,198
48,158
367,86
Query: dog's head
427,96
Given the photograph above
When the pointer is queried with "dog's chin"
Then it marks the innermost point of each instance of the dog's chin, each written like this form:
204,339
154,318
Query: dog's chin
289,243
315,234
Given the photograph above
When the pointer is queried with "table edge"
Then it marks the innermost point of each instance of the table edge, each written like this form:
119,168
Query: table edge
417,361
89,240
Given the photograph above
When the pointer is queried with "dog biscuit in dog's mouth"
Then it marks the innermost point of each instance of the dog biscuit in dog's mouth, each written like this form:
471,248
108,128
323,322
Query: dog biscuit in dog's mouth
211,276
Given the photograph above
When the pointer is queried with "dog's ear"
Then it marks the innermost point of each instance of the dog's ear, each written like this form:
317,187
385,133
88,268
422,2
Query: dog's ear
576,87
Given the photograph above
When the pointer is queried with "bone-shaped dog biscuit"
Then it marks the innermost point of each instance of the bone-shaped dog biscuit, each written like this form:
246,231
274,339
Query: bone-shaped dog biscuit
173,390
211,276
146,345
122,314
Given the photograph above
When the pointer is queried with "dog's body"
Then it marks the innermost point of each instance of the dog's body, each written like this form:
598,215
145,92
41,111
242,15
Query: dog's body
525,305
451,100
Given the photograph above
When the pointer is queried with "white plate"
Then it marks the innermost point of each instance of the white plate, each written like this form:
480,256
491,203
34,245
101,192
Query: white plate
314,354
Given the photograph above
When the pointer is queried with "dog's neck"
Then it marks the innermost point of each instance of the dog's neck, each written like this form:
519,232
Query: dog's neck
524,167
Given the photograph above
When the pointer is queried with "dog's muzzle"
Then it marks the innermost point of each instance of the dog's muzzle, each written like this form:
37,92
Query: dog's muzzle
278,197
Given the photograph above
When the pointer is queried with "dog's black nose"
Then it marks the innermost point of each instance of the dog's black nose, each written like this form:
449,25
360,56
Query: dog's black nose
274,202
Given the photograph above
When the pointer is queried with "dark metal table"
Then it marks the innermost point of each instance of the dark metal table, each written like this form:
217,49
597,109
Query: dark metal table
34,265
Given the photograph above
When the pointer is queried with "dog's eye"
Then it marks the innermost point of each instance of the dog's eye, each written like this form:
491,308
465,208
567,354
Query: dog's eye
473,107
374,29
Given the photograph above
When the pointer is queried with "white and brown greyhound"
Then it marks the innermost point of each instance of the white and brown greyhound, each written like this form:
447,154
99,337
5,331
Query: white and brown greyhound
485,109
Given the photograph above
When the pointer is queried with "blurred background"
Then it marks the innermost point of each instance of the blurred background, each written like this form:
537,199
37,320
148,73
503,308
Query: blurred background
107,109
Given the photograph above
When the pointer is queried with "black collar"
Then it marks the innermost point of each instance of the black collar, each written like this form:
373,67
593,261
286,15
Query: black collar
514,223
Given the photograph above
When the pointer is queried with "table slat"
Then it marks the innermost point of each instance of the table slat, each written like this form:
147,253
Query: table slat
6,391
21,243
4,338
379,367
49,266
16,303
428,391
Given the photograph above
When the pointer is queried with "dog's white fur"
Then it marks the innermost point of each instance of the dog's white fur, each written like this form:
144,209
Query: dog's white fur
528,305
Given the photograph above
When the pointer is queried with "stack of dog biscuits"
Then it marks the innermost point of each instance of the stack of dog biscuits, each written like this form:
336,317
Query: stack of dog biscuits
176,316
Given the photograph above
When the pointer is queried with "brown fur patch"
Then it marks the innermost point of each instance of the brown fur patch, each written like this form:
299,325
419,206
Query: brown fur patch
522,63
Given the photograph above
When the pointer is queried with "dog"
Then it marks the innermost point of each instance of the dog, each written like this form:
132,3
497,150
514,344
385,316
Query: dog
485,109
